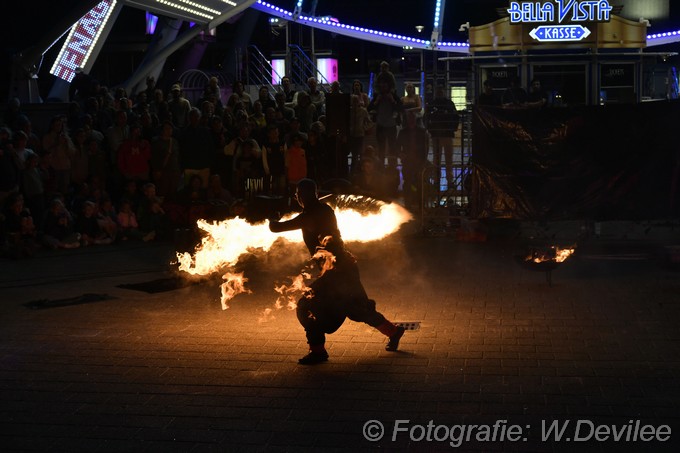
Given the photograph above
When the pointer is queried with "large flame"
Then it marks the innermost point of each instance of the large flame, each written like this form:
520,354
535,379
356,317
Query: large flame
360,219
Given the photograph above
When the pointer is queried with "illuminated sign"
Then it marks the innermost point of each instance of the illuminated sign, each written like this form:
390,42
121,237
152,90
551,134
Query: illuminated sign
561,33
560,11
327,69
81,40
278,70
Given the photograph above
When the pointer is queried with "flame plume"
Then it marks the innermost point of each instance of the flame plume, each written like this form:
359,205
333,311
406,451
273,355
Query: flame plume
360,219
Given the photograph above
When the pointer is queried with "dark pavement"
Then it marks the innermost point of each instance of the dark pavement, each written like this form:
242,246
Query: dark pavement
170,371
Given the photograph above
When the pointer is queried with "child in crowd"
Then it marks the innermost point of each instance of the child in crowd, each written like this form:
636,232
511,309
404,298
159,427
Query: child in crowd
58,230
154,224
107,217
87,225
20,232
128,228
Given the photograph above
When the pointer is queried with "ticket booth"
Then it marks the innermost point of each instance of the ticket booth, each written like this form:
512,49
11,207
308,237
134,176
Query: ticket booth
583,55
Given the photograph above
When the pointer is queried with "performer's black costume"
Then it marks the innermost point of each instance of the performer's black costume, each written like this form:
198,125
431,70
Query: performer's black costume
337,293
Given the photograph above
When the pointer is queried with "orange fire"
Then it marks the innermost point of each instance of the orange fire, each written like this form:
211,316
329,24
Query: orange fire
289,294
234,284
226,241
555,253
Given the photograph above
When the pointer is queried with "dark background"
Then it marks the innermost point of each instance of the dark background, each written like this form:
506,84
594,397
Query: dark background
124,49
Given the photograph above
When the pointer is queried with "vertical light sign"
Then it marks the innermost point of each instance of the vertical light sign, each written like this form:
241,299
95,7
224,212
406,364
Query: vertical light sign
81,40
278,70
328,69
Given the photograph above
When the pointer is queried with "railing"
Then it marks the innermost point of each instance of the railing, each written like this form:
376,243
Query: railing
444,203
194,82
260,70
302,68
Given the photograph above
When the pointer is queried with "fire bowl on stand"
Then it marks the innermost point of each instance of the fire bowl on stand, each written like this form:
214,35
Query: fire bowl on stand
544,259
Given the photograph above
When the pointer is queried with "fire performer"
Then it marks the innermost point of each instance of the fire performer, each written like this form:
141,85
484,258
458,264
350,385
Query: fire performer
337,293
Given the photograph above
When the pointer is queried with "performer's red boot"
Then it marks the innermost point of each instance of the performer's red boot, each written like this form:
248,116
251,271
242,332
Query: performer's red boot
393,332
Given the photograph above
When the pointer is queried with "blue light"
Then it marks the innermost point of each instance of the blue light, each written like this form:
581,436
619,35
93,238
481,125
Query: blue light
325,21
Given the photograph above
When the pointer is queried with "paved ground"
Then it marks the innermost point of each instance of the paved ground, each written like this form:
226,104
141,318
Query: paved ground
599,349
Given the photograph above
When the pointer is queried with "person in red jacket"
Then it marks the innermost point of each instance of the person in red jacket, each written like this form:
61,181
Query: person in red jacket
337,293
134,156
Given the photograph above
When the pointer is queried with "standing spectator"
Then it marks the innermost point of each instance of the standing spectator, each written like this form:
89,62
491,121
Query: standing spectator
514,96
158,106
80,164
411,101
9,173
197,149
165,167
116,135
134,156
20,151
359,123
305,112
413,145
335,88
178,106
248,170
212,91
316,96
13,115
280,100
219,136
537,96
81,87
231,151
239,89
74,117
97,162
387,108
294,128
358,90
265,98
258,121
386,76
33,189
207,112
58,143
318,162
488,97
274,162
150,88
442,121
288,91
100,118
33,142
296,163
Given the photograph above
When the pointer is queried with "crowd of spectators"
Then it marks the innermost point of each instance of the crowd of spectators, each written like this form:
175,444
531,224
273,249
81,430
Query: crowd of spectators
118,166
